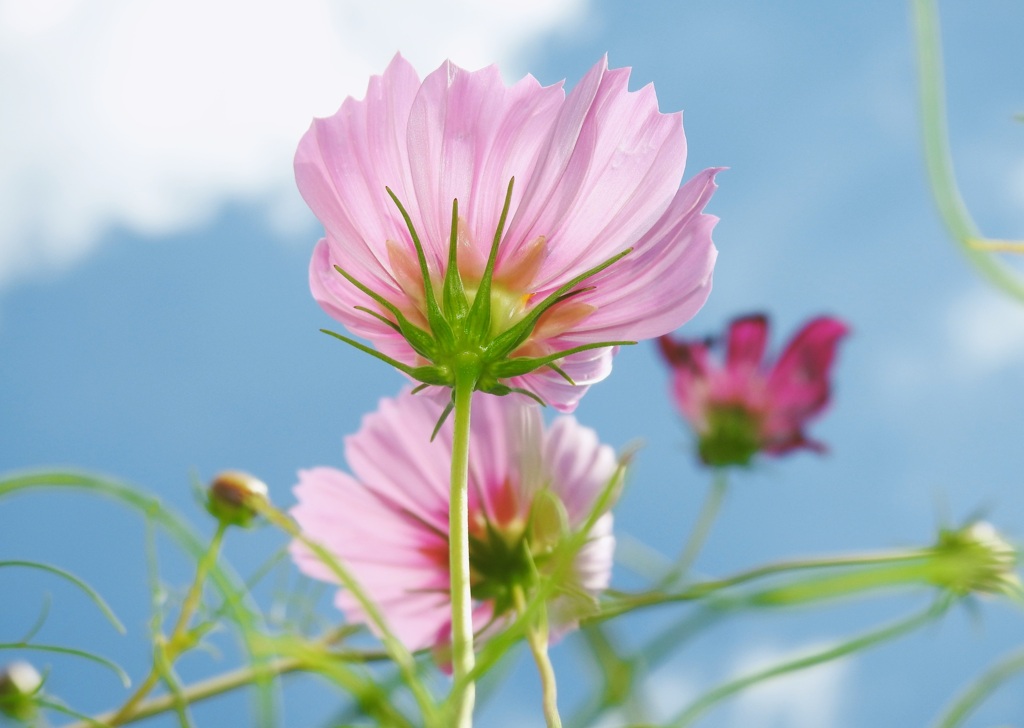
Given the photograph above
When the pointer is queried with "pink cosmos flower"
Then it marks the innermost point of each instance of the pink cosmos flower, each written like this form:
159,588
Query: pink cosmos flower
388,522
748,405
526,277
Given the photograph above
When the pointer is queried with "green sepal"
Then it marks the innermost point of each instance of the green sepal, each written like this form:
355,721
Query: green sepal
520,365
372,352
510,340
441,420
479,320
456,305
417,337
435,317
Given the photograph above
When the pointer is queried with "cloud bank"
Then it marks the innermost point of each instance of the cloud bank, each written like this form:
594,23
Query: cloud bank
148,116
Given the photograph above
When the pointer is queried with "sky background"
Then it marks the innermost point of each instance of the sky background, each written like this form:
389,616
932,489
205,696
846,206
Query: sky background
156,325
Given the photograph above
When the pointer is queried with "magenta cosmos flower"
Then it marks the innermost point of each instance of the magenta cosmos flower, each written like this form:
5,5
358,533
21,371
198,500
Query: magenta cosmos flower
389,521
748,405
527,284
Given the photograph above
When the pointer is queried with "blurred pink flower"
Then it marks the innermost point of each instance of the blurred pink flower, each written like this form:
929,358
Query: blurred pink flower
389,523
748,405
596,171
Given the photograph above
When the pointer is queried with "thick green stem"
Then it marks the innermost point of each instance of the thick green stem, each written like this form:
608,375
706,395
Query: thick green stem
463,657
537,637
701,529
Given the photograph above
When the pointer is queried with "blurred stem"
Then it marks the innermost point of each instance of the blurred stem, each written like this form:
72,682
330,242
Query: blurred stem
981,688
463,657
868,639
938,159
228,681
537,637
395,649
701,590
705,520
180,640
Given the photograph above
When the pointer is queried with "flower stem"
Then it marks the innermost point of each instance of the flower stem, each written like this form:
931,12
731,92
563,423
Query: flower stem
701,529
463,657
179,641
864,641
975,694
537,637
938,159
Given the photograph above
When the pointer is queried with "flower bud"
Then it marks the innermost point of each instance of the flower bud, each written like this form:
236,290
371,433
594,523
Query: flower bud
976,559
19,682
233,496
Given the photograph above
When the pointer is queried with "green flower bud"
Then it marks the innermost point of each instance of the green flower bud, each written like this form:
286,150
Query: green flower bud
233,495
975,559
19,682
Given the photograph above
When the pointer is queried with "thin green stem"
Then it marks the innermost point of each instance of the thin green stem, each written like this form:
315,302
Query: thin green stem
180,639
868,639
232,680
937,155
463,657
537,638
981,688
396,650
701,529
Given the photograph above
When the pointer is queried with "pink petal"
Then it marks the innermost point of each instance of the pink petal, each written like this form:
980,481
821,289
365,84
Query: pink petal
664,281
748,337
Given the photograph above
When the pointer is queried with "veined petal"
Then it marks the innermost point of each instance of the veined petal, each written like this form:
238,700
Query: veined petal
612,164
660,285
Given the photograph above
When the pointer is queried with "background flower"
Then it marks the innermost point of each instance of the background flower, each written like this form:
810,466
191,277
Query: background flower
596,172
389,522
747,405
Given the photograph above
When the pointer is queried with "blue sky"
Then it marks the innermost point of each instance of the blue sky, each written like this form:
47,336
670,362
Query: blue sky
155,321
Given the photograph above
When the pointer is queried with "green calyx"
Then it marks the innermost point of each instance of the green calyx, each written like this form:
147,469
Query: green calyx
975,559
511,556
464,341
732,437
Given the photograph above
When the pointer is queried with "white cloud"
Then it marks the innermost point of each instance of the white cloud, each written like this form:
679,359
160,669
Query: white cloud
148,115
806,699
985,331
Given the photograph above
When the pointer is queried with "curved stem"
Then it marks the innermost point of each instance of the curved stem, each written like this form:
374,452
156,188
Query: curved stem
395,649
708,512
868,639
463,657
180,640
938,159
537,637
981,688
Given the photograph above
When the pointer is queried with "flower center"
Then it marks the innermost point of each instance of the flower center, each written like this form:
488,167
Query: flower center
499,560
732,436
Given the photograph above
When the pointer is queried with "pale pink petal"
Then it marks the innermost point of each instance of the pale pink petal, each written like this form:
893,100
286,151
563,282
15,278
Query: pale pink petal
611,167
468,135
664,281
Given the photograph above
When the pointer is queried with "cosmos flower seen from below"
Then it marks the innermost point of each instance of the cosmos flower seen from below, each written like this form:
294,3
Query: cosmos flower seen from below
570,232
531,490
746,405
